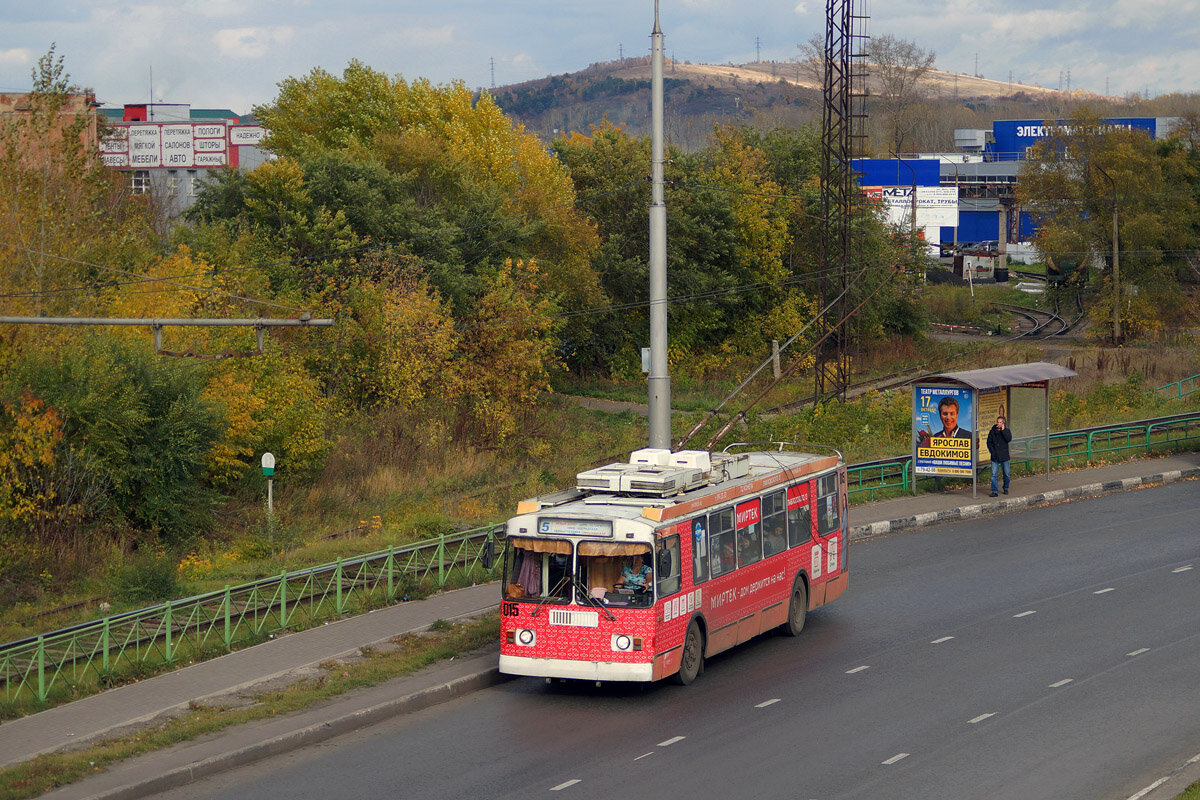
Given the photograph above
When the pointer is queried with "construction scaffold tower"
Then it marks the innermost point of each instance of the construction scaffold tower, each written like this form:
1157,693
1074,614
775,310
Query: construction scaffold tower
841,138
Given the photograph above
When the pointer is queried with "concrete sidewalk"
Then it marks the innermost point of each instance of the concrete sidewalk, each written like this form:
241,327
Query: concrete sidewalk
298,654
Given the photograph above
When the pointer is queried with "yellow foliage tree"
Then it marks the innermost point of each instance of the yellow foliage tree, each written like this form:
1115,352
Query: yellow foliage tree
29,433
506,355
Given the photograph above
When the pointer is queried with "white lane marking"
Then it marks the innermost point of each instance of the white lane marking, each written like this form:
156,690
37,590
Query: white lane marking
671,741
1106,591
943,639
1139,652
857,669
566,785
1148,789
1182,569
1193,760
1023,614
644,755
1063,682
766,703
895,758
981,718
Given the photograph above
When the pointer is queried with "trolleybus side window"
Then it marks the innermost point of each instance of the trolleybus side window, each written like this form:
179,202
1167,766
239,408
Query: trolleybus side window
799,515
720,542
666,565
774,524
699,550
538,568
828,516
749,532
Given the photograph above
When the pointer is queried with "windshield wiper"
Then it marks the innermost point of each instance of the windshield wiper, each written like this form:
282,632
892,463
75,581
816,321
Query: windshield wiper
552,594
581,587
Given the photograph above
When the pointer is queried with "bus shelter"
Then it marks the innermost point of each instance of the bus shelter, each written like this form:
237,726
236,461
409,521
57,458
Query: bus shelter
952,412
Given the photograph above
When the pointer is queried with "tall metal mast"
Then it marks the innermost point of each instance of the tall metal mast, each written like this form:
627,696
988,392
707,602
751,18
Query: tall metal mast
660,382
839,137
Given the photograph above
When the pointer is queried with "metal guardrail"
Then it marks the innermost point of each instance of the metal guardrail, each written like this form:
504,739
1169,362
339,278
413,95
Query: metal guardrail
74,660
873,477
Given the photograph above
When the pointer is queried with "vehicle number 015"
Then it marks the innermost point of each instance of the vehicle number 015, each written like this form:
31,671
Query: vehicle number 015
510,610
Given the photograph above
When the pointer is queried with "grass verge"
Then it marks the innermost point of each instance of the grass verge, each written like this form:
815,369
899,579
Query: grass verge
412,652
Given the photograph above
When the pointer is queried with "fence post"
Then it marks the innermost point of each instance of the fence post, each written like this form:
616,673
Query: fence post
104,644
283,598
390,564
167,625
441,560
41,654
228,640
337,575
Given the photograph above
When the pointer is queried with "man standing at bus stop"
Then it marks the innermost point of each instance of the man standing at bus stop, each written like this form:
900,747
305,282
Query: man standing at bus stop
997,444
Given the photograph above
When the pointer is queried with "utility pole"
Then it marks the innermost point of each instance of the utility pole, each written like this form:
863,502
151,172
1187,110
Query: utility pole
1116,259
659,381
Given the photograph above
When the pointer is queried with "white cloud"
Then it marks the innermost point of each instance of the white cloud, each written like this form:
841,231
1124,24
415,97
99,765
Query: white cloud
15,57
251,42
801,9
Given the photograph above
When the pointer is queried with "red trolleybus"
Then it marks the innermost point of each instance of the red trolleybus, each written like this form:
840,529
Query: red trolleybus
646,568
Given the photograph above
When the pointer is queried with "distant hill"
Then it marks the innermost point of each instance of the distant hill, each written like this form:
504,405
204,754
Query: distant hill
762,94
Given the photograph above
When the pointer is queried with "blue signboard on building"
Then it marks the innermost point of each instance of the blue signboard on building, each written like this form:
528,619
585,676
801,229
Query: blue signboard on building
1014,136
897,172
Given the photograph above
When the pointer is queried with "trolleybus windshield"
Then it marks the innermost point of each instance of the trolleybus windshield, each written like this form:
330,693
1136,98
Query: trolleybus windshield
613,574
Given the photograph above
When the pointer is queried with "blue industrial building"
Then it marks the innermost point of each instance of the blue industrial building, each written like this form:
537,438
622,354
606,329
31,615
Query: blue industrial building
984,173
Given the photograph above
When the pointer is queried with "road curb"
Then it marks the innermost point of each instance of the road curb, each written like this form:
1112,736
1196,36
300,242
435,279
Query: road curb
301,737
1017,503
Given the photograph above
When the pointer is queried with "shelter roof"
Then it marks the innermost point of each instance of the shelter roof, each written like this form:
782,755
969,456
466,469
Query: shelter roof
1008,375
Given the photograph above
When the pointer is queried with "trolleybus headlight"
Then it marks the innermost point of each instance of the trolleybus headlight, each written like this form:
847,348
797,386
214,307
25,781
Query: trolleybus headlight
622,642
525,636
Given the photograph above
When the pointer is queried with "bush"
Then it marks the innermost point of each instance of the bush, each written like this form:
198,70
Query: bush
149,579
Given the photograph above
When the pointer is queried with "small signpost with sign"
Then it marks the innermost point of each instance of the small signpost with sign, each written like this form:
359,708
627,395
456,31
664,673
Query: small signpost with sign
268,468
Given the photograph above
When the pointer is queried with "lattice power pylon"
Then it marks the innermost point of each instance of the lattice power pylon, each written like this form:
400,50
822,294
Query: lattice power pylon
844,86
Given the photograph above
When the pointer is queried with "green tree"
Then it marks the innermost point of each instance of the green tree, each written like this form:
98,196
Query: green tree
457,150
135,425
1076,179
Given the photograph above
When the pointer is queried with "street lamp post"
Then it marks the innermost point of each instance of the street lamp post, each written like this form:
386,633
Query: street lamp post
1116,258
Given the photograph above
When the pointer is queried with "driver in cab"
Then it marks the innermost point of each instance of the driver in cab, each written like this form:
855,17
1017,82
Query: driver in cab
636,575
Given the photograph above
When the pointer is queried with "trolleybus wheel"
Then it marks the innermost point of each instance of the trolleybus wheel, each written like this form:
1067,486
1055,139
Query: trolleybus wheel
692,659
797,609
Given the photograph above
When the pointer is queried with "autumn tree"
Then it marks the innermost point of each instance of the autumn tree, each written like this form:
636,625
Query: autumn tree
1086,170
898,70
66,224
451,151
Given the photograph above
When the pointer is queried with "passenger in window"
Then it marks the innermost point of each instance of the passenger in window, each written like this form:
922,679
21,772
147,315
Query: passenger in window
776,541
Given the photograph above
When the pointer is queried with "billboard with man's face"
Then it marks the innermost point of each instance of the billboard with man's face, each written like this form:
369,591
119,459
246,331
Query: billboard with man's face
942,434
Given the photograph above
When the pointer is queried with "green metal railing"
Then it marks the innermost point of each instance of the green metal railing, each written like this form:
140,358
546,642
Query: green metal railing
1176,390
78,659
869,480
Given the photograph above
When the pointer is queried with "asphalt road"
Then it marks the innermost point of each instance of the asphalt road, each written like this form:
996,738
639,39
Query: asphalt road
1053,653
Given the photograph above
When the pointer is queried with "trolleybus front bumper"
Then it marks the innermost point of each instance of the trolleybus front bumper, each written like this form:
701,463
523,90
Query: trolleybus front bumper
576,670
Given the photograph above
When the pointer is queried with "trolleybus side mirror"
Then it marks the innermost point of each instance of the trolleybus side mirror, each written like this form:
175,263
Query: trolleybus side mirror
488,556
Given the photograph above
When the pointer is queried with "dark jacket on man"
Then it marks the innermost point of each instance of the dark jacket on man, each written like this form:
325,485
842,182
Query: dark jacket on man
997,443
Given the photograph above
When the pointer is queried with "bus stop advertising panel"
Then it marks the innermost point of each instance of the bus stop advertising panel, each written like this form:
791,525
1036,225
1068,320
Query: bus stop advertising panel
943,417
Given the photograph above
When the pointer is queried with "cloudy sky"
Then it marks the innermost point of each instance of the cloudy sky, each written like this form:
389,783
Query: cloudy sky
232,53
